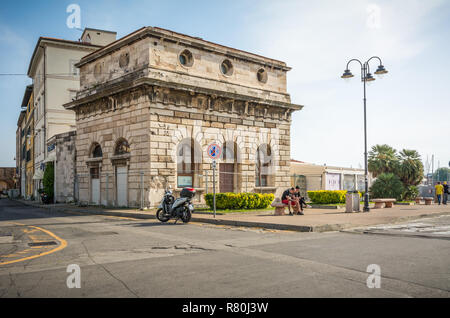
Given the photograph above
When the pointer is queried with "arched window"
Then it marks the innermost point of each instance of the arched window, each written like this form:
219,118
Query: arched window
97,151
189,158
122,147
263,167
229,152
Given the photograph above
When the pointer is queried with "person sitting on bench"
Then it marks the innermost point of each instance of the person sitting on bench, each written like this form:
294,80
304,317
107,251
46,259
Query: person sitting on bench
300,199
288,198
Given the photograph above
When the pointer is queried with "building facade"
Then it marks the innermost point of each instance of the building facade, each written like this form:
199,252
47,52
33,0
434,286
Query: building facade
28,103
312,177
7,178
55,82
150,104
21,153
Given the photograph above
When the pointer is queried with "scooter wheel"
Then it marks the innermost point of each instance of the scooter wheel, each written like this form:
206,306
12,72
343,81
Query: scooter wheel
160,216
186,216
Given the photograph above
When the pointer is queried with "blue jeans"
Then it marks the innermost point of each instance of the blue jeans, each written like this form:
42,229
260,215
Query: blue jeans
439,198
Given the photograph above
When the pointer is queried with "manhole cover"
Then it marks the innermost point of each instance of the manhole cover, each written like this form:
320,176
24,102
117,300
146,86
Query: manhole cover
42,243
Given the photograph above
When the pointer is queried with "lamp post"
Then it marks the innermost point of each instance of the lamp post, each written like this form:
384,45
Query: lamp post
366,77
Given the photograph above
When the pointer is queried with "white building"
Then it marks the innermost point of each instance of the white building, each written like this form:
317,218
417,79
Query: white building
56,81
311,177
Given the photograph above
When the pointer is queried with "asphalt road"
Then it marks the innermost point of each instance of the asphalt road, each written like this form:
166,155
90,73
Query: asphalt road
123,257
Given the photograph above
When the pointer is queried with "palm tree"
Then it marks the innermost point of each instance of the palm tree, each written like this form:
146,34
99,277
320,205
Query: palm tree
410,169
382,159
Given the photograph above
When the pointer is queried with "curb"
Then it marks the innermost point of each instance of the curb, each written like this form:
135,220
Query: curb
330,207
271,226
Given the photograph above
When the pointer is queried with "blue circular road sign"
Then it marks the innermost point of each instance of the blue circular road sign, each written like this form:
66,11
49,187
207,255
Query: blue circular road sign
214,151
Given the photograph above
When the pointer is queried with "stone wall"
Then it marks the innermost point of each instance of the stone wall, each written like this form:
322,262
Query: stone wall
154,55
105,123
65,167
171,123
155,124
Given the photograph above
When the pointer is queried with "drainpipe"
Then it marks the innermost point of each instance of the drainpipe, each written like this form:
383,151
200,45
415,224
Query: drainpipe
45,102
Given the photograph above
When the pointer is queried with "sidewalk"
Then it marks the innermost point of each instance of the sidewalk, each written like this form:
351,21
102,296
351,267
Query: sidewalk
314,220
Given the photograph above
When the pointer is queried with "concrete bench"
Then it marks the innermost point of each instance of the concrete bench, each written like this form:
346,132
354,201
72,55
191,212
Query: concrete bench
279,206
428,201
383,203
418,199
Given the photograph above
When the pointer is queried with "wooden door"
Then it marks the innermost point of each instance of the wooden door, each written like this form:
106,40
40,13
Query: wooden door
226,177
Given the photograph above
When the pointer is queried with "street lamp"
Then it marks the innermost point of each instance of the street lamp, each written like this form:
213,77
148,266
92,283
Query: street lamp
366,77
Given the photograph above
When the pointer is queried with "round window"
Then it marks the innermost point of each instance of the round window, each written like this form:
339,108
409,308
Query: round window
124,59
186,58
226,67
262,75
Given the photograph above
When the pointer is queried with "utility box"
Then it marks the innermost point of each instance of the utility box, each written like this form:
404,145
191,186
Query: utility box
352,201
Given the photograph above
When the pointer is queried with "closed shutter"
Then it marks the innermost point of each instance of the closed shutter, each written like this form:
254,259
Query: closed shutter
226,177
122,186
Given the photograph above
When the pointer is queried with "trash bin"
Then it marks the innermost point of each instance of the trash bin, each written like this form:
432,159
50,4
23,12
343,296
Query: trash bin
356,201
352,201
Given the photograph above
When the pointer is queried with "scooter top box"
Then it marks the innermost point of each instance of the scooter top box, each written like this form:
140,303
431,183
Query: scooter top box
187,193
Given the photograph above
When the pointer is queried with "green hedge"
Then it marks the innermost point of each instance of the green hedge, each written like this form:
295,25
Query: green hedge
328,196
237,201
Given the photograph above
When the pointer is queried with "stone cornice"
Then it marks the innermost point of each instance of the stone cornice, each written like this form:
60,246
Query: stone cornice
183,104
136,81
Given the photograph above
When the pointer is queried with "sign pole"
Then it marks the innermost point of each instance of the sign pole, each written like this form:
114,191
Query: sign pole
214,187
214,151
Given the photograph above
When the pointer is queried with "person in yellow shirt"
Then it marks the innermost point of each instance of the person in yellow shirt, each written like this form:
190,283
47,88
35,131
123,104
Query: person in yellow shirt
439,191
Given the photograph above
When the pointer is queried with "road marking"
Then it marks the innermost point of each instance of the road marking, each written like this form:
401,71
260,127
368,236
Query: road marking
61,246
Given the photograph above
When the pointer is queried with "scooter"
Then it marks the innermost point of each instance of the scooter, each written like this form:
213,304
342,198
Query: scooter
45,198
181,208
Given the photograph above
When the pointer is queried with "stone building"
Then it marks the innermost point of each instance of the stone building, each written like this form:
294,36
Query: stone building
151,102
61,151
7,178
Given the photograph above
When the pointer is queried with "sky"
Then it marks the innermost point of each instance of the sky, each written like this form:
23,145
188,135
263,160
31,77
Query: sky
407,109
